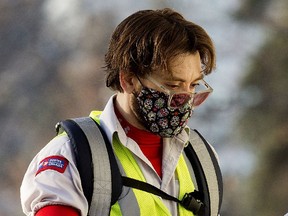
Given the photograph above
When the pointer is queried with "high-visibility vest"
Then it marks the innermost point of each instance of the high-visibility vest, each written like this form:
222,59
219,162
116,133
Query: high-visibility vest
85,135
147,203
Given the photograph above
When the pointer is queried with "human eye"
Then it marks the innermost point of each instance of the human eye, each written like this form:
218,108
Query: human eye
194,85
172,86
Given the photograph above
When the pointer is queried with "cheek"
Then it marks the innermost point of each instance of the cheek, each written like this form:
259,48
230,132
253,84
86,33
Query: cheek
133,100
134,105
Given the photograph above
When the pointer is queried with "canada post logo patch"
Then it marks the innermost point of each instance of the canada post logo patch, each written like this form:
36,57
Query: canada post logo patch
57,163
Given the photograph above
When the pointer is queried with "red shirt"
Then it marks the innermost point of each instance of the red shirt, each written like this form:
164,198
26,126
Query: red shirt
58,210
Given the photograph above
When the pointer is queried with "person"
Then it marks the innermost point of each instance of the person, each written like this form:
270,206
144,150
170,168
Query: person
156,62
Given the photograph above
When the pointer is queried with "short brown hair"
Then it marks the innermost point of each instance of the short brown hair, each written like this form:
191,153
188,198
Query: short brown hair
148,39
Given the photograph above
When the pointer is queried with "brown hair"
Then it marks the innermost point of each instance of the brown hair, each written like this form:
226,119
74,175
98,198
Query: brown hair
148,39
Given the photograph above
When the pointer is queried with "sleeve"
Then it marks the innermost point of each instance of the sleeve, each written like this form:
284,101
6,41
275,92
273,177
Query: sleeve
57,210
52,178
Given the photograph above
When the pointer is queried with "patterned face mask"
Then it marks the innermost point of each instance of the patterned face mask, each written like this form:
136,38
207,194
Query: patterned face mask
158,116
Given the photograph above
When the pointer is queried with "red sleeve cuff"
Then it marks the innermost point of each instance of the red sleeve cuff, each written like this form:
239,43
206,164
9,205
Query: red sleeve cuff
57,210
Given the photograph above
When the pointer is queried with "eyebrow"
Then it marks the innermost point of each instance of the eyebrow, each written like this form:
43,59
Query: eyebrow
173,78
200,77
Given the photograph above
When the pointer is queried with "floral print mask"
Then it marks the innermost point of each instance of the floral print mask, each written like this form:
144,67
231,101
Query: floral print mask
158,116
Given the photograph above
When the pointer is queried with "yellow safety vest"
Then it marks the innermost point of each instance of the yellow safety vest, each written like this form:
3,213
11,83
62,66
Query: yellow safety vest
150,204
138,202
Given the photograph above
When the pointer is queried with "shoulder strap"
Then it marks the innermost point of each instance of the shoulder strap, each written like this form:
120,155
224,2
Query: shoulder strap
191,201
199,152
207,172
87,139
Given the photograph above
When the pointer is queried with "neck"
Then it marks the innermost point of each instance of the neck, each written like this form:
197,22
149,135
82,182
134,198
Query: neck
123,105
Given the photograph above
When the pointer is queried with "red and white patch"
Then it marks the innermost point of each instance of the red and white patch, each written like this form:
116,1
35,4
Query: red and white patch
57,163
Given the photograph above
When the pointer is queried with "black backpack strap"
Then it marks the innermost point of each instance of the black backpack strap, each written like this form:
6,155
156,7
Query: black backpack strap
87,139
191,201
207,171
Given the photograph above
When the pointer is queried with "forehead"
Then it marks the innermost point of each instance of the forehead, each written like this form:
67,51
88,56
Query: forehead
184,66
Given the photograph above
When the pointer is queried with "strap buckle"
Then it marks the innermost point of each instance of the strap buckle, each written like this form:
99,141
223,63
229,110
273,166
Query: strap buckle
192,203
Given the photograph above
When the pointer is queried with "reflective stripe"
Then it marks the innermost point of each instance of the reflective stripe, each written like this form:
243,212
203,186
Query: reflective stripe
129,205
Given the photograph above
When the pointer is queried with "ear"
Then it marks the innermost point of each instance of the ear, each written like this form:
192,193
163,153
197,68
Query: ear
128,81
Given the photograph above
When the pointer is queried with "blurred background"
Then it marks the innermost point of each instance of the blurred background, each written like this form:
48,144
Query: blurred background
51,68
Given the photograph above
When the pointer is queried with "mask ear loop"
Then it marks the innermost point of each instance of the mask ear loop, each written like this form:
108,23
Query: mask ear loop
134,92
139,80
